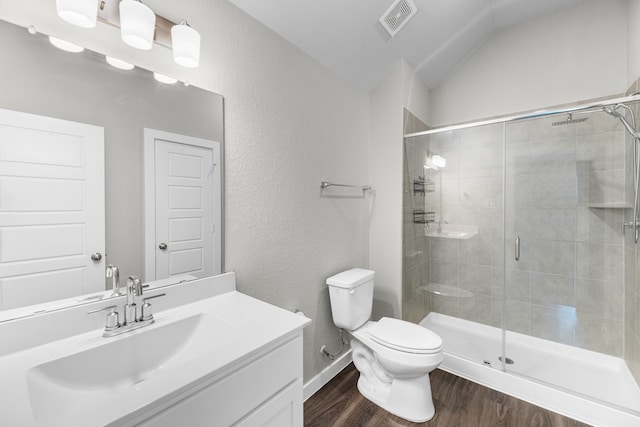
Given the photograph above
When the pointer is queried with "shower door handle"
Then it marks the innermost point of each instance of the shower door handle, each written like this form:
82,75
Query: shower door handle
517,248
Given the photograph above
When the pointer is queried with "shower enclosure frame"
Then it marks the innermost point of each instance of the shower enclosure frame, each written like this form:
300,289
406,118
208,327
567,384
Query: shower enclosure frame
589,107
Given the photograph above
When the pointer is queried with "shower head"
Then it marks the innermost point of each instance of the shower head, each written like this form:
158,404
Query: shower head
570,120
613,111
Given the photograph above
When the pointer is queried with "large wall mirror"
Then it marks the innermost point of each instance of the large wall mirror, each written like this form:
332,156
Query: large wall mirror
41,80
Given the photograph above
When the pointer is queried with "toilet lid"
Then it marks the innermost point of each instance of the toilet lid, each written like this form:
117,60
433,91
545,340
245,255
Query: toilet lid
405,336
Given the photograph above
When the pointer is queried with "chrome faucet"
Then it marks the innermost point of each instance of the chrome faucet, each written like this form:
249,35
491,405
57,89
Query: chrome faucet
134,318
134,289
113,273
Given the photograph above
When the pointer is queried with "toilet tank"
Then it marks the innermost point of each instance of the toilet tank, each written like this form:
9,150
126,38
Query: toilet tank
351,295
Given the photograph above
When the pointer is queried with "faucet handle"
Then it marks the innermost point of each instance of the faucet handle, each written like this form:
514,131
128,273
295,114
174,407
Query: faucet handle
113,321
113,273
146,307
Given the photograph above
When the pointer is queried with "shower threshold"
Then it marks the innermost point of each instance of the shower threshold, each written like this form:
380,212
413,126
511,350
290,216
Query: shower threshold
591,387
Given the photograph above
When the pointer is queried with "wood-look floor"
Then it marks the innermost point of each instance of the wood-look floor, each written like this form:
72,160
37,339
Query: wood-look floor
458,402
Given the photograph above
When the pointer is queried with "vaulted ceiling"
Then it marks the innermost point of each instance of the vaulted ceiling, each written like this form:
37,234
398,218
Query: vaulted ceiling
347,38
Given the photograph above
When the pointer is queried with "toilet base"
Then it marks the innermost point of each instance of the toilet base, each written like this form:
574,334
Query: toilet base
406,398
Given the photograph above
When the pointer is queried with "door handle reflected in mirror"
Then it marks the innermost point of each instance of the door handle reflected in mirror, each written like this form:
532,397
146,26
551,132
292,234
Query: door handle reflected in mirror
96,257
163,246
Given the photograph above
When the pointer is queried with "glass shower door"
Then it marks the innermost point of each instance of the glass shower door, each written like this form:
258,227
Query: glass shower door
466,240
567,189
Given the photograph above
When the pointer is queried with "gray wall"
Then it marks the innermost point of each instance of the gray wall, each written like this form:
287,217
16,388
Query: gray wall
41,79
289,124
550,60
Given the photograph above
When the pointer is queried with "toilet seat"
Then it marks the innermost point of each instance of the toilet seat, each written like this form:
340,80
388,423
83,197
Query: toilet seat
404,336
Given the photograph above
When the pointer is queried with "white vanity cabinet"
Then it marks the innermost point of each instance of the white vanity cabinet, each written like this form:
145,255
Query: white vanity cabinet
264,390
213,357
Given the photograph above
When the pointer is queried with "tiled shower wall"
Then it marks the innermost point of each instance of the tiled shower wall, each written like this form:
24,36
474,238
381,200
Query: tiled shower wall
471,186
568,285
566,195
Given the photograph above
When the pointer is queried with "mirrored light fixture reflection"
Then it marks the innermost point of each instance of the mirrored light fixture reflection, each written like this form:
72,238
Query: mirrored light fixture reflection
119,63
82,13
186,45
137,24
164,78
438,161
435,162
65,45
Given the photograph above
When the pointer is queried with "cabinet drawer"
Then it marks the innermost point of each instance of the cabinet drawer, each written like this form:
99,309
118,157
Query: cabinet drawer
227,400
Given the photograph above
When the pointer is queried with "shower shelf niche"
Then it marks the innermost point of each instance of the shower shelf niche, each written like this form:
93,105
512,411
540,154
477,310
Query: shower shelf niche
614,205
423,217
422,186
449,231
446,290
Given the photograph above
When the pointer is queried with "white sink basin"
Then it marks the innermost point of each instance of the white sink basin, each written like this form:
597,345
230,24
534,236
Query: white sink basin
58,370
78,380
449,231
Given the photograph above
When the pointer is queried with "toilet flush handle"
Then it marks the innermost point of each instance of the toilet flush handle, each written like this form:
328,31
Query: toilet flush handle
352,291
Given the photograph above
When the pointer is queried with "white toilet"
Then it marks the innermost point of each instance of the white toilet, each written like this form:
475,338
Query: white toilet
394,357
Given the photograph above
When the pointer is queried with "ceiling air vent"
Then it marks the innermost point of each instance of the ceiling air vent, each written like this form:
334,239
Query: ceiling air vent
397,15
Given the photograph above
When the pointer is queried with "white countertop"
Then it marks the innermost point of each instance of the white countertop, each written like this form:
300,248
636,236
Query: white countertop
255,326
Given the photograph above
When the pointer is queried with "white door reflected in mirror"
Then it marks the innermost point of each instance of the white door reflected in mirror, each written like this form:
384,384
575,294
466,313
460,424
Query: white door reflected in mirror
183,215
52,222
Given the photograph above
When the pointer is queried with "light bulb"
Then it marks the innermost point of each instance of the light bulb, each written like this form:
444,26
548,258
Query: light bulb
186,45
164,78
82,13
137,24
119,63
65,45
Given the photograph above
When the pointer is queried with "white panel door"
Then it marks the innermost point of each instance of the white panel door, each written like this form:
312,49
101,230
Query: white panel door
51,209
186,208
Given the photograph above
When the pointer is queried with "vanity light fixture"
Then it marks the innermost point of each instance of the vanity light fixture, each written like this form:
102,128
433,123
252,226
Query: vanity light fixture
82,13
164,78
119,63
65,45
186,45
137,24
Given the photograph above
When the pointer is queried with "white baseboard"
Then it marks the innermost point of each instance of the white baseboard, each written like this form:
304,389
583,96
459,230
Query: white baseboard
317,382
